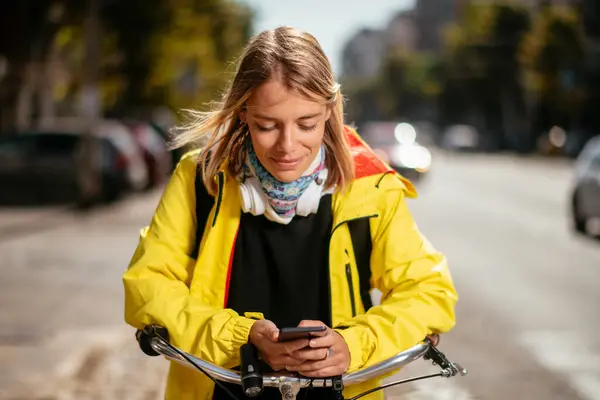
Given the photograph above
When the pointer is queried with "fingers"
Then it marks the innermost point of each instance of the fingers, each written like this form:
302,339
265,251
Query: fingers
282,362
278,355
320,363
264,328
311,366
311,354
325,372
434,338
310,322
272,334
323,341
293,346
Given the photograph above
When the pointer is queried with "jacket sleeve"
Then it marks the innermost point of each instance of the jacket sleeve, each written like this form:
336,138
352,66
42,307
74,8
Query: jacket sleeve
157,280
418,295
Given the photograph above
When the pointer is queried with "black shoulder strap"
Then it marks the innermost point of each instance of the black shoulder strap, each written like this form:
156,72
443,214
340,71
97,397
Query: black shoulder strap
204,203
360,232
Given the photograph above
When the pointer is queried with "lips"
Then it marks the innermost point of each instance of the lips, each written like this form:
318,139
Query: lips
285,164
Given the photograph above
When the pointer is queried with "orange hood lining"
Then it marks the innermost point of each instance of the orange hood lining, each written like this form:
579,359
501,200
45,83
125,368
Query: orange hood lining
367,163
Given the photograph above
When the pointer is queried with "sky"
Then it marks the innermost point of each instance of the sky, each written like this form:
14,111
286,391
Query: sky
332,22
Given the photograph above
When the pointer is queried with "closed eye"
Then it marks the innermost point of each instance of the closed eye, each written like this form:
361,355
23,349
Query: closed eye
308,128
266,128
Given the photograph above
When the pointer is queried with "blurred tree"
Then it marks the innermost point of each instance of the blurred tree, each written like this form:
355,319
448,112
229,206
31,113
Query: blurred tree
553,55
405,88
195,53
174,53
409,83
362,104
35,24
149,53
482,85
134,27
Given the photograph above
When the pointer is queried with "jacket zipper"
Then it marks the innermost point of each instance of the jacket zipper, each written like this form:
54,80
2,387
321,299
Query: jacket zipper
349,276
219,197
347,269
351,287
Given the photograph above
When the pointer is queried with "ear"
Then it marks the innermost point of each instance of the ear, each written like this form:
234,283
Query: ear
243,117
327,114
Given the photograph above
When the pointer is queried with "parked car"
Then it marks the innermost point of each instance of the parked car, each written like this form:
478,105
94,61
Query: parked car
396,144
156,155
461,138
175,154
119,135
585,196
41,167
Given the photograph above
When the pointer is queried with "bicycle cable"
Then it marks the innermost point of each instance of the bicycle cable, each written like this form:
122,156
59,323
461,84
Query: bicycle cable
387,385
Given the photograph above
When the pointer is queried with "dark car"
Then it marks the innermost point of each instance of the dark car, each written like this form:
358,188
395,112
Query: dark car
50,167
585,198
396,143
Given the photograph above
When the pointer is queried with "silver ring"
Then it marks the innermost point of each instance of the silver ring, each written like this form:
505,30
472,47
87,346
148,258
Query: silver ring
329,352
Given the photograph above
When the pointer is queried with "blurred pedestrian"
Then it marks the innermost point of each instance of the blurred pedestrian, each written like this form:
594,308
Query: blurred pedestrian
286,180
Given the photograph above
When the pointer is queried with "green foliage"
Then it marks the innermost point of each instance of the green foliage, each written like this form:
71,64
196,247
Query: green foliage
553,56
153,52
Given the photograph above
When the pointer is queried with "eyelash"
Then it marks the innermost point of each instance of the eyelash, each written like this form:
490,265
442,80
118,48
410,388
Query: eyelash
302,127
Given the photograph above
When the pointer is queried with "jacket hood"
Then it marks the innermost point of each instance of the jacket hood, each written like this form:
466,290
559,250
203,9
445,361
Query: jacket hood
368,164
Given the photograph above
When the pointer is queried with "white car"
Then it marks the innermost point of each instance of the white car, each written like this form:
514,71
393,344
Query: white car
585,197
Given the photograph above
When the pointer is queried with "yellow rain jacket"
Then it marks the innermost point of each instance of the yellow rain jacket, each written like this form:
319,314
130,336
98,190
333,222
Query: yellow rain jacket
164,286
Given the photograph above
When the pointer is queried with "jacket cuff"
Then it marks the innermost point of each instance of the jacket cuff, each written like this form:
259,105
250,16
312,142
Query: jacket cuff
356,337
241,331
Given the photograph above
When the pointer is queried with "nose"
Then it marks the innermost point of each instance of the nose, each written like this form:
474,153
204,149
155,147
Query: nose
285,141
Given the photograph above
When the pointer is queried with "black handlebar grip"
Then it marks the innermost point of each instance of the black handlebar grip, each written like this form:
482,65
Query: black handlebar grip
150,331
252,380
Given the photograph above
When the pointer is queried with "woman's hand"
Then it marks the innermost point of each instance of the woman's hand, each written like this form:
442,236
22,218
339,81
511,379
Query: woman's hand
327,354
264,335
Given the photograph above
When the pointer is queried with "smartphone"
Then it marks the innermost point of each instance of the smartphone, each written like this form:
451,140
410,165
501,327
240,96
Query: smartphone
304,332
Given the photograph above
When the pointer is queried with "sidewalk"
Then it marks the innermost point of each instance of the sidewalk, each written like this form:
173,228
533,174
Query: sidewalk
62,333
15,220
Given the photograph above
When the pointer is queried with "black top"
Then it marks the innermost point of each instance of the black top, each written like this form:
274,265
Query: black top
282,271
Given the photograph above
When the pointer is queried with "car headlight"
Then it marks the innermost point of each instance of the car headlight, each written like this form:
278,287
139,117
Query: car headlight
405,133
416,157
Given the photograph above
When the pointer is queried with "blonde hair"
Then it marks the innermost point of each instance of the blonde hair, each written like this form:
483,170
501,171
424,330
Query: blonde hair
300,61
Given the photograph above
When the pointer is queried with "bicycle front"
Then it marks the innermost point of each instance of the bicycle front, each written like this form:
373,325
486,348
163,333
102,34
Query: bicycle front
153,341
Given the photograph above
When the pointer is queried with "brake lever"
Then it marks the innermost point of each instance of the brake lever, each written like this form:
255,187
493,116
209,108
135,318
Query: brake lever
449,369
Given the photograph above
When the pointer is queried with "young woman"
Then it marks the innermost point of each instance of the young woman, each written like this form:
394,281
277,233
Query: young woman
287,177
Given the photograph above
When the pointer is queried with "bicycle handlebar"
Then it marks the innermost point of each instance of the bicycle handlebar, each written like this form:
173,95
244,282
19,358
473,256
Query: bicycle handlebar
154,341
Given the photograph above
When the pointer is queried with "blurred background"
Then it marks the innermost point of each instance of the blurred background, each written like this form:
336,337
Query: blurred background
492,108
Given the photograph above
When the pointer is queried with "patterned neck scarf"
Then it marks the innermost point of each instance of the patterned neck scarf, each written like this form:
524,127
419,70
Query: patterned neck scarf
283,196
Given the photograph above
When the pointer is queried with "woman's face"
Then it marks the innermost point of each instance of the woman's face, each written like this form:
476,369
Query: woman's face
286,129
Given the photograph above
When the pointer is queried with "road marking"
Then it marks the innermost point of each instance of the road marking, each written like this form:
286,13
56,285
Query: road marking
567,353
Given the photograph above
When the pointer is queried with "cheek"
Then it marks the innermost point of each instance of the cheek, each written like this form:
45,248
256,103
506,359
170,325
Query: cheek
262,143
314,139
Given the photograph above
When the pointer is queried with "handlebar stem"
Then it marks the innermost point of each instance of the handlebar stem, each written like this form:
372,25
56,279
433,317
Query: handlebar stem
289,390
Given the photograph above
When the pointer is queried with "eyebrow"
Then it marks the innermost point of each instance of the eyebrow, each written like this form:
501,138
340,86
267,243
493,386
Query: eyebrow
304,117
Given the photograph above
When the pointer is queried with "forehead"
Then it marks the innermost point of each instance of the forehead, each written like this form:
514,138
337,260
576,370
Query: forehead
274,97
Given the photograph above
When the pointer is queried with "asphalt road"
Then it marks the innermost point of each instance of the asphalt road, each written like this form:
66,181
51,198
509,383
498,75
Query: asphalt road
527,316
